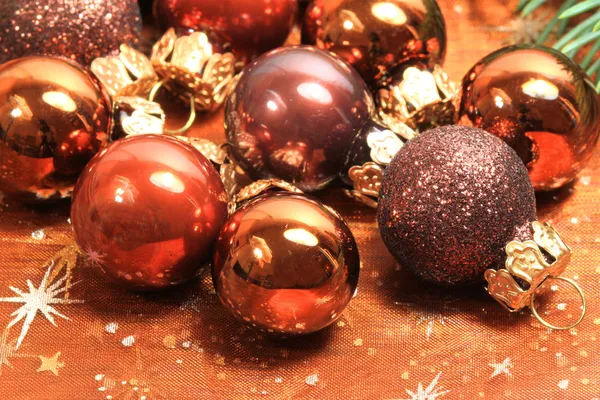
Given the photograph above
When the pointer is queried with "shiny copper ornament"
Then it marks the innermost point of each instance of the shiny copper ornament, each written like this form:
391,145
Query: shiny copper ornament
147,211
285,263
78,30
294,115
376,36
456,207
539,102
53,119
251,26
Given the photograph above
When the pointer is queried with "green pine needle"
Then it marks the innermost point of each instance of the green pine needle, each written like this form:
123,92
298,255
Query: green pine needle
589,57
550,26
581,41
594,68
531,7
521,4
580,8
578,40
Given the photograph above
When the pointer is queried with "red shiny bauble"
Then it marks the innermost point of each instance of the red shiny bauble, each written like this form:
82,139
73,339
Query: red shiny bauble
147,210
294,114
376,36
252,26
285,263
539,102
76,29
53,119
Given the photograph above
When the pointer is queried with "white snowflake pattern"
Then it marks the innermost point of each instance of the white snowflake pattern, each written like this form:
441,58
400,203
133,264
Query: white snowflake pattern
38,299
95,258
502,368
430,318
431,392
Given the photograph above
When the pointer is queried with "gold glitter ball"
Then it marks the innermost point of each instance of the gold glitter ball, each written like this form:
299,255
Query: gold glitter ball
81,30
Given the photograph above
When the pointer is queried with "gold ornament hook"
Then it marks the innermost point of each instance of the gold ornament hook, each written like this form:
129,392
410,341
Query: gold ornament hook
190,120
560,328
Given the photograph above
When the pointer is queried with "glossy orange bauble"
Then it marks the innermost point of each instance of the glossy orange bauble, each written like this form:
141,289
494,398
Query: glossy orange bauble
147,210
376,36
539,102
285,263
53,119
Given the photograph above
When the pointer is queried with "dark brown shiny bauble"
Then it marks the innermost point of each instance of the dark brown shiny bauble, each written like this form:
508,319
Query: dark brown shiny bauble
147,210
294,114
539,102
53,119
376,36
285,263
76,29
451,200
252,26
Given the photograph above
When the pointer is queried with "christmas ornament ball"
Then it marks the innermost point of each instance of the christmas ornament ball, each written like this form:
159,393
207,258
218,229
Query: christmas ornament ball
252,26
451,200
53,119
294,114
286,264
147,210
376,36
541,103
78,30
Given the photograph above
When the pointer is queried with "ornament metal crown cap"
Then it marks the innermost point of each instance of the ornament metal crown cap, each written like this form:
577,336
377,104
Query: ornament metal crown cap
421,100
188,68
527,268
191,70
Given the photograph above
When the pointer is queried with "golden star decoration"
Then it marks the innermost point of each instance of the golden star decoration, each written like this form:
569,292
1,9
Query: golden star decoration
51,364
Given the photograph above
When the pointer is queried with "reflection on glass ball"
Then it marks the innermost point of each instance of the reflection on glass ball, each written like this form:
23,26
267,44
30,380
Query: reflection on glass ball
285,263
539,102
53,119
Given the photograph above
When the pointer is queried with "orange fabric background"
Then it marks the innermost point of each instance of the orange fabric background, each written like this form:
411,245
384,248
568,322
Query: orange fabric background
398,339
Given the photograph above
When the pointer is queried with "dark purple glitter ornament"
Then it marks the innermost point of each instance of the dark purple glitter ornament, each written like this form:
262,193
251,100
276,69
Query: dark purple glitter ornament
76,29
451,200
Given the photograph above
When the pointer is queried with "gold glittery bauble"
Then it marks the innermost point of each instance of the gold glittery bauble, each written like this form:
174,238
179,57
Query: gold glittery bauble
81,30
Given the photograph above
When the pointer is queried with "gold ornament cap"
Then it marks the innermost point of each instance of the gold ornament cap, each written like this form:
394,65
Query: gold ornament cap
417,98
528,265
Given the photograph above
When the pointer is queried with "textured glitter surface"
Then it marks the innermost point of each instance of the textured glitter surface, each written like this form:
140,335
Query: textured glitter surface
450,202
77,29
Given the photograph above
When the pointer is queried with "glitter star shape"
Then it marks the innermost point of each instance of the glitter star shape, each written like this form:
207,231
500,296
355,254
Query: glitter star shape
95,258
39,299
51,364
502,368
431,392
